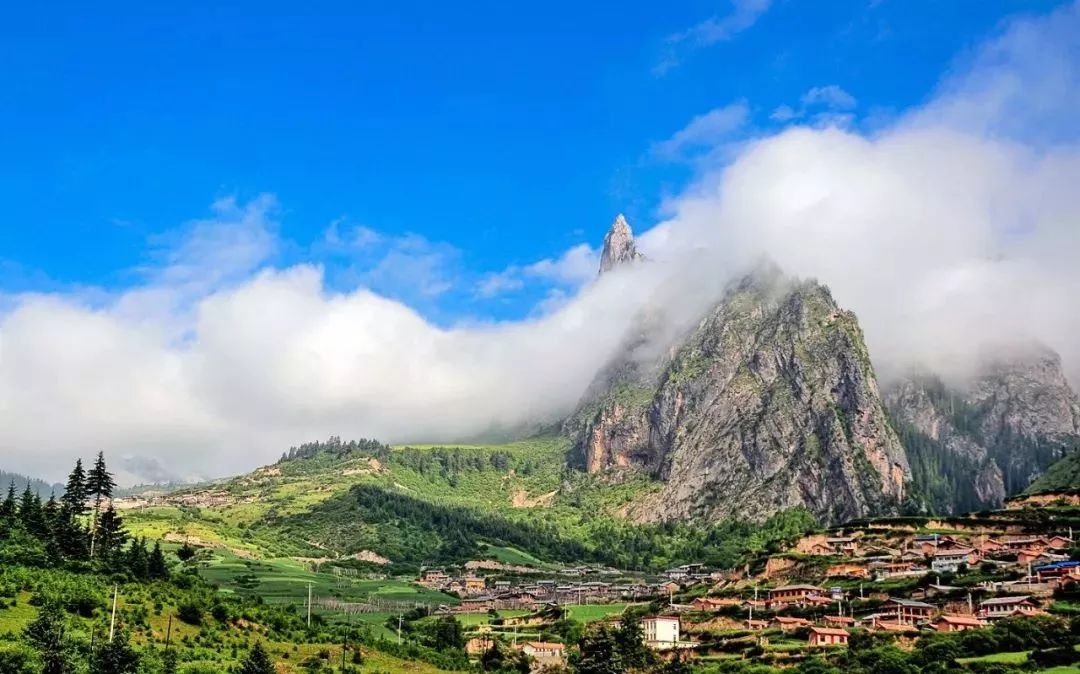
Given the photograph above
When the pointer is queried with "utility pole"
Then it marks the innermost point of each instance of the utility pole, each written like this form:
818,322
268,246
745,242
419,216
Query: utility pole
168,634
112,621
400,618
309,605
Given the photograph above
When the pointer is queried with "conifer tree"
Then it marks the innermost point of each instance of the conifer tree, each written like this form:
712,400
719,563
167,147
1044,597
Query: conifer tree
115,657
47,635
8,510
258,661
157,567
110,534
30,513
74,498
137,559
99,484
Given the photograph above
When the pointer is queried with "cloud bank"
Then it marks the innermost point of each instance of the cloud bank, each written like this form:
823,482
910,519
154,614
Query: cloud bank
956,225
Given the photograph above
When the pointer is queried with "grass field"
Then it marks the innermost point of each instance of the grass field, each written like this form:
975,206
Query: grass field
1012,658
286,581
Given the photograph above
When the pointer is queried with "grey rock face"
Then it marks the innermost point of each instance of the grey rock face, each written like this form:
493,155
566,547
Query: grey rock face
990,437
769,403
619,246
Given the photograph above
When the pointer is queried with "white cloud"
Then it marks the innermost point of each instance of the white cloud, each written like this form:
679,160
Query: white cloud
832,97
825,106
575,267
742,15
705,131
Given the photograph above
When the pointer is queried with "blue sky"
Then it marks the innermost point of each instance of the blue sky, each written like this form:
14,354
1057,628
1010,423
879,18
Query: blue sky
498,133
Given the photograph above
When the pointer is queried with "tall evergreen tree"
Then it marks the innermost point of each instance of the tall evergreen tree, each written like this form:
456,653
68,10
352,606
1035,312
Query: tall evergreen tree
157,567
115,657
74,498
8,510
30,513
137,559
258,661
47,635
110,534
99,485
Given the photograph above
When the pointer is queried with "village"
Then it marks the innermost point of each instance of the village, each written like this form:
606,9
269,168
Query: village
894,579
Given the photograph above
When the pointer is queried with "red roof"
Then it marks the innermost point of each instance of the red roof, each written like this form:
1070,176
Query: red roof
545,645
962,620
829,631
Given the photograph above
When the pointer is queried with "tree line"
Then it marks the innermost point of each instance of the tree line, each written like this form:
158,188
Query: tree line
80,528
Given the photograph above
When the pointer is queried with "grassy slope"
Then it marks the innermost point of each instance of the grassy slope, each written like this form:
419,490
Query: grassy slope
527,490
1062,476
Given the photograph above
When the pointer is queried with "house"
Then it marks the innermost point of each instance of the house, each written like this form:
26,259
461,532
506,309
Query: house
1003,607
827,636
669,587
839,621
433,577
887,626
843,545
957,623
713,603
793,594
474,584
950,561
545,652
1057,570
1059,543
476,604
1038,544
849,570
756,625
789,624
908,611
661,631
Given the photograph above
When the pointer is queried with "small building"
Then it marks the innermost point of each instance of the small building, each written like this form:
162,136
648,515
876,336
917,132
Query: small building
1059,543
827,636
545,652
957,623
950,561
848,570
474,584
756,625
713,603
661,631
789,624
839,621
433,577
908,611
1003,607
793,594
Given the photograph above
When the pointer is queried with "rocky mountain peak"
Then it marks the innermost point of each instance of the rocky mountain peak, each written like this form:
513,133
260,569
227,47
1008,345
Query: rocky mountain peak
619,247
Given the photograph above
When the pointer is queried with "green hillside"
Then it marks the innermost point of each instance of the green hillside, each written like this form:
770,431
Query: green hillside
518,502
1060,477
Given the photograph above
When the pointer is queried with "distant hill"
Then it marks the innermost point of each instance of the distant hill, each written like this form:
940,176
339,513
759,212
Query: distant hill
1062,476
43,488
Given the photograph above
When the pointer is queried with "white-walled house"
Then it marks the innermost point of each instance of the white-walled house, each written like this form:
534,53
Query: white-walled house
661,631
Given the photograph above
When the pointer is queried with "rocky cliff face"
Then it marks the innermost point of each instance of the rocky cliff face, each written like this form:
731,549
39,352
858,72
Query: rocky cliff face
769,403
619,246
973,443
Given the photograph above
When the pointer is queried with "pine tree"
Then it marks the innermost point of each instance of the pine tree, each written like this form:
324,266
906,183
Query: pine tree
47,635
258,661
157,567
110,535
169,662
115,657
74,498
99,484
30,513
8,510
137,559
